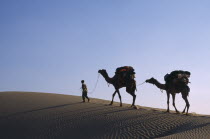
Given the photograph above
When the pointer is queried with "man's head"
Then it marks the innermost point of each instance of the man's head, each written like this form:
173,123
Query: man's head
82,81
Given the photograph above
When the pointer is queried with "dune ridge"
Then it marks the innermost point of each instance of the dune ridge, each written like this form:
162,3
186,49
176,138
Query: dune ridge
45,115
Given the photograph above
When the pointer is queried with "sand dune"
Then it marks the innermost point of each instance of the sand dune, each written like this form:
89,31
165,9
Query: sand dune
42,115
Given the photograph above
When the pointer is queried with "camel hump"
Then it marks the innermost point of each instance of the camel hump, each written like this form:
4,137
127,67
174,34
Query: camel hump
128,69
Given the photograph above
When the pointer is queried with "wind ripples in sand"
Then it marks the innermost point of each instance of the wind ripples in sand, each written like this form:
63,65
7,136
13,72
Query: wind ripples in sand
61,116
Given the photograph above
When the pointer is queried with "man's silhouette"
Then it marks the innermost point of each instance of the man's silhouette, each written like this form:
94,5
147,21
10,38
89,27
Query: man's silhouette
84,91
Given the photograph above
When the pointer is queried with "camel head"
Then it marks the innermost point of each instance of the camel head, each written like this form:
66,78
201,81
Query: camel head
102,71
151,80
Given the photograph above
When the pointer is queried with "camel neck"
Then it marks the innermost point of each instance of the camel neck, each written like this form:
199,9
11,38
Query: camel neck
159,85
107,78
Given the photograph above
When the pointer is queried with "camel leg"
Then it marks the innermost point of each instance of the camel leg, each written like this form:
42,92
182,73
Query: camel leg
173,96
119,98
113,97
184,109
134,99
187,104
168,96
183,96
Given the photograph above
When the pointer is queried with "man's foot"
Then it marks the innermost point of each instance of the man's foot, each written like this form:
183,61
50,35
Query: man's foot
88,100
83,101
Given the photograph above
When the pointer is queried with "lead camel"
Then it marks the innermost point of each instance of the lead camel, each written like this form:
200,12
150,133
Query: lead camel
117,83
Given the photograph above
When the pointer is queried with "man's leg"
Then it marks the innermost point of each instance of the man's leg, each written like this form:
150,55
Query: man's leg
87,96
83,96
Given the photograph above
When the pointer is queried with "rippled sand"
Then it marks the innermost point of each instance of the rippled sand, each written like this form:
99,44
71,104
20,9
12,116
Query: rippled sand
42,115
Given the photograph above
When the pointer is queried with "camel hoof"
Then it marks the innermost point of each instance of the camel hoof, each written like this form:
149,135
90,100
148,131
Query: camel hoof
177,112
120,105
110,104
135,107
167,111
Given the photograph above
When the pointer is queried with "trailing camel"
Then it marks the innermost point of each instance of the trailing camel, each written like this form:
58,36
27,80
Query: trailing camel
173,89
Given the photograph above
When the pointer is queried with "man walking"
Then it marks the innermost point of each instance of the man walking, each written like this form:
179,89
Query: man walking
84,91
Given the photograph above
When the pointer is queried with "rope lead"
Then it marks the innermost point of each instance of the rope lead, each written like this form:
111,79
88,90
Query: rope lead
95,85
141,84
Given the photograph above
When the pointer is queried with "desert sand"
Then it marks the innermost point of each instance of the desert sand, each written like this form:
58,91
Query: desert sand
30,115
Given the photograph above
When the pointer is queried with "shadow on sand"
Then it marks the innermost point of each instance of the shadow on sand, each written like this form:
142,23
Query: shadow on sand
40,109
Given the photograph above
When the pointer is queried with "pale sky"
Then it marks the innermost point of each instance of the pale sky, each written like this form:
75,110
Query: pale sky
51,45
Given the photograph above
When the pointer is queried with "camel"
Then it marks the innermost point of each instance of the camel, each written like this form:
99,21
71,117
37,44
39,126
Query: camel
130,87
171,89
